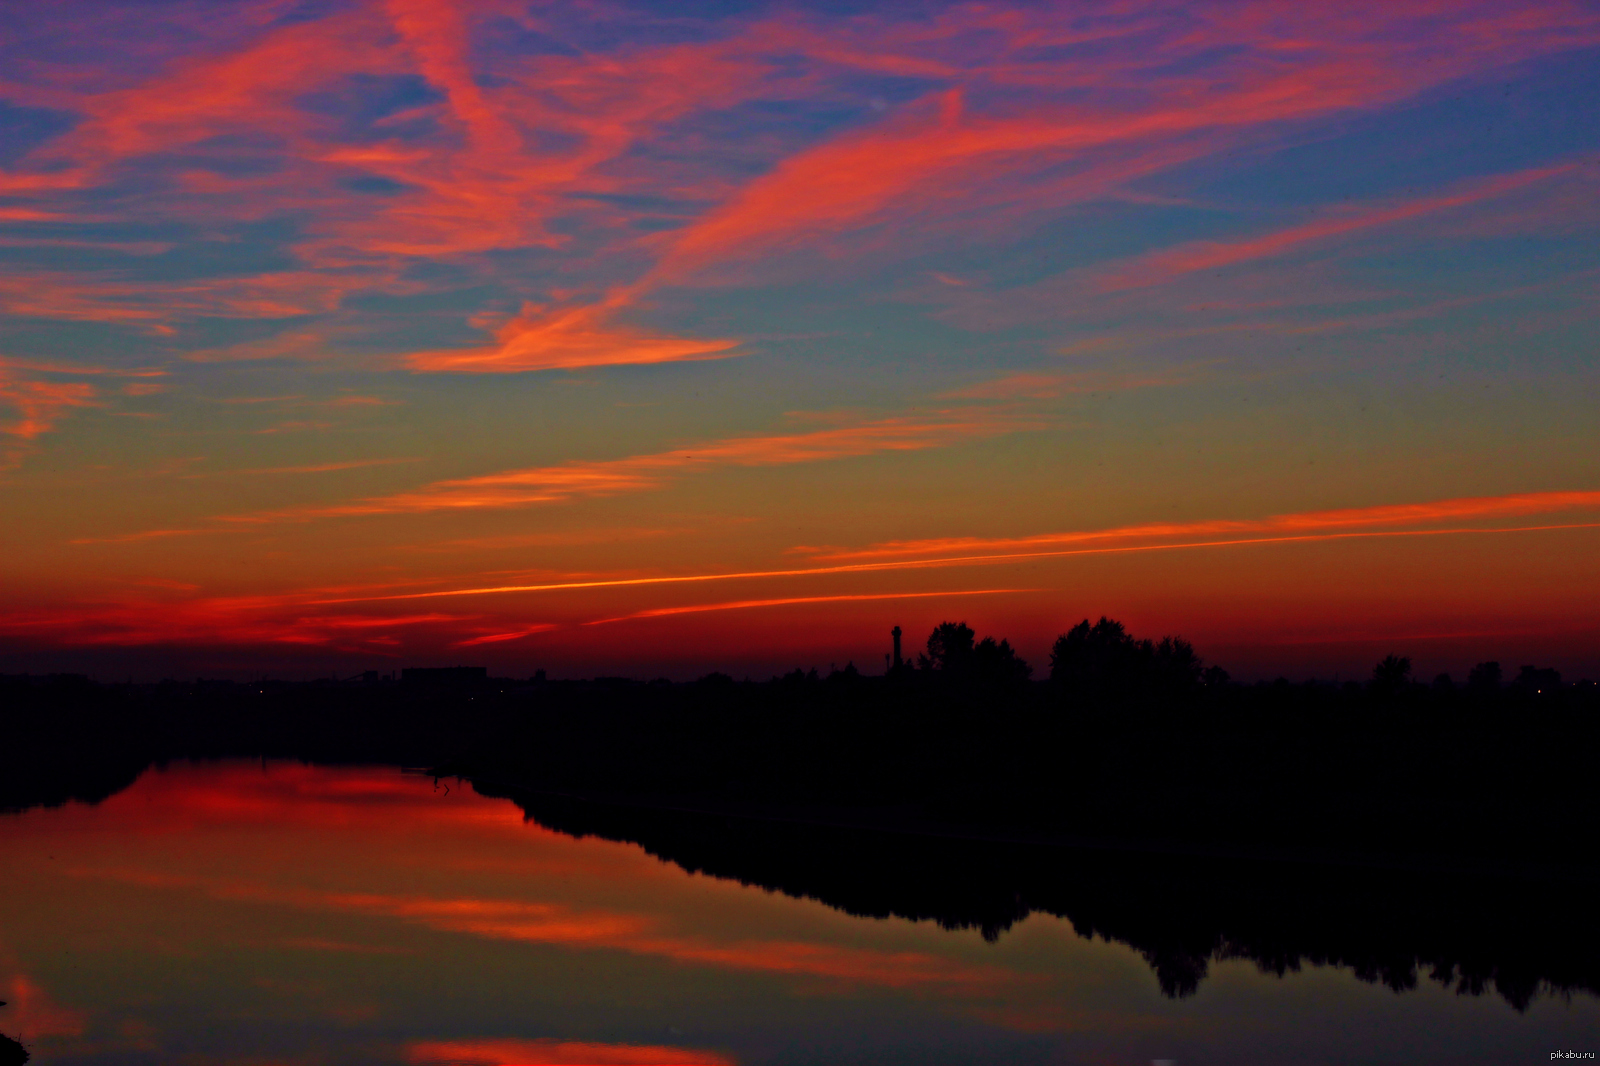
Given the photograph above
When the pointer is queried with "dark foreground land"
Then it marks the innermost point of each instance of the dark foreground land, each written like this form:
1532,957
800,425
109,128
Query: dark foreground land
1407,831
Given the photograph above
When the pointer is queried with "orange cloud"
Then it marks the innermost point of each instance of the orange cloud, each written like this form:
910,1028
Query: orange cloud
37,405
938,152
1209,255
150,305
1156,536
553,484
45,366
497,638
568,340
1384,515
300,618
213,621
940,562
201,97
739,605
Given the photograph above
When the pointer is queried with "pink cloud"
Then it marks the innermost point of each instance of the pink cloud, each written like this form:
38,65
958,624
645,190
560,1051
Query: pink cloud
37,404
569,340
548,136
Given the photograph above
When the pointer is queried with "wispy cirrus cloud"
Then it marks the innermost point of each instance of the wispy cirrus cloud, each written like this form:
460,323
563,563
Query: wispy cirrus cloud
501,638
790,601
331,617
412,131
1305,522
39,404
1191,258
38,398
570,339
584,479
182,618
575,480
1382,521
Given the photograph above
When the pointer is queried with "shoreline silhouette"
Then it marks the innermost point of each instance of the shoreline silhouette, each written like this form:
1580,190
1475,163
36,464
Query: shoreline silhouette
1402,829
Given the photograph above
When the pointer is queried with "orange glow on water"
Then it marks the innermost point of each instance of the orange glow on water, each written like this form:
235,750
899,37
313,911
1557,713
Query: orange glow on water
553,1053
214,909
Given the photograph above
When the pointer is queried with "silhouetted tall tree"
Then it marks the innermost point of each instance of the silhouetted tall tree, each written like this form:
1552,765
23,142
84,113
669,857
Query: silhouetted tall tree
1099,658
949,648
953,656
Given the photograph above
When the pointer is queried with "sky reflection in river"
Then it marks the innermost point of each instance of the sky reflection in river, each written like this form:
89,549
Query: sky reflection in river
278,913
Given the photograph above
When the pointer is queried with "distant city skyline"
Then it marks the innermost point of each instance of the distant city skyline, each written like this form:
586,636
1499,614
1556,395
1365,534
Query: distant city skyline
662,338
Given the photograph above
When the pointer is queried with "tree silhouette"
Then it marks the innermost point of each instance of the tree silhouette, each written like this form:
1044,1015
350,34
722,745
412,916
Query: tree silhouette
1095,658
1174,665
949,648
1534,681
953,657
12,1053
1391,675
1484,678
998,665
1104,660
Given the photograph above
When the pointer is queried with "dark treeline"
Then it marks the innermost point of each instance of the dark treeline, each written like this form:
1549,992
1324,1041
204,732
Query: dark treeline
1123,740
1121,752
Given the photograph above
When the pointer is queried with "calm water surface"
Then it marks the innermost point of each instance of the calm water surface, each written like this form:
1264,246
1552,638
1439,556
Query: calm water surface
279,913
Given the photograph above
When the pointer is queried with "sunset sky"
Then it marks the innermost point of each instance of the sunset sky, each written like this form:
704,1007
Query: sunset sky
654,339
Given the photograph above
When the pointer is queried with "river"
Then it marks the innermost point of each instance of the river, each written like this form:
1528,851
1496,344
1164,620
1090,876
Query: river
252,913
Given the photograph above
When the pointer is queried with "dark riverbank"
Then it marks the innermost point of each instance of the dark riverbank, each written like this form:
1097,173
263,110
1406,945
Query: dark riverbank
1413,776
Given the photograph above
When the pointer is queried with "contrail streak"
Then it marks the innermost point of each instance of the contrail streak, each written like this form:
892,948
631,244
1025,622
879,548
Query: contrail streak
939,563
657,612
